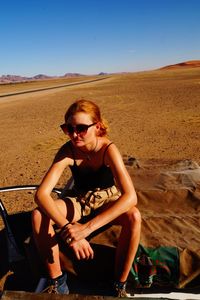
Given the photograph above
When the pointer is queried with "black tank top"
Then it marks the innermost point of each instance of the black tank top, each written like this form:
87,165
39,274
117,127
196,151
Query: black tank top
88,179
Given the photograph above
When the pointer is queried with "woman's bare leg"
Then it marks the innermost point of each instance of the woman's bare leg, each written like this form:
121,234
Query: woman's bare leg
46,243
128,243
45,239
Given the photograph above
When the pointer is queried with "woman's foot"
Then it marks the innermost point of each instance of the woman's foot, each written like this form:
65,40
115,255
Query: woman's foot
57,285
120,289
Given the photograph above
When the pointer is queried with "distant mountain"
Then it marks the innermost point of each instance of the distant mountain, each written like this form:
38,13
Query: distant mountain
186,64
41,76
72,75
18,78
102,73
12,78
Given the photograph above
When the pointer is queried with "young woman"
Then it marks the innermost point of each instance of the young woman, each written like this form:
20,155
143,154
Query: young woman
101,184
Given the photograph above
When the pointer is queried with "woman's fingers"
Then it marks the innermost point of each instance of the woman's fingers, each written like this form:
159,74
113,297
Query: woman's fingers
82,249
74,231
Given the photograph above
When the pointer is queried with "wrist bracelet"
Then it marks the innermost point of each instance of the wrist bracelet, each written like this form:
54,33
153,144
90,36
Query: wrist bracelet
63,228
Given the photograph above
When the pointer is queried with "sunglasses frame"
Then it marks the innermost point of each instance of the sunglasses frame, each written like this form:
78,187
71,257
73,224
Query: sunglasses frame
65,127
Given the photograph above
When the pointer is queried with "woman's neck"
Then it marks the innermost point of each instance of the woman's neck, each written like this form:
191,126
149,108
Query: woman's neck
89,151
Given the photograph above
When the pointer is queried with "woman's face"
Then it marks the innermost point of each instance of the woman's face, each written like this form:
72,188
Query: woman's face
82,135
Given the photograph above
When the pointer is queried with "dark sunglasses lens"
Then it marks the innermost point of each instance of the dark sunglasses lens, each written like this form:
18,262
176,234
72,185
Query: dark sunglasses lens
81,128
70,128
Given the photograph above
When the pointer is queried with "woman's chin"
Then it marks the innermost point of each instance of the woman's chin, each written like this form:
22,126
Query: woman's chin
78,143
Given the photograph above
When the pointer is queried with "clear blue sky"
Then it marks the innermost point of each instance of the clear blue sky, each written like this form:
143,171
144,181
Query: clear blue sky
55,37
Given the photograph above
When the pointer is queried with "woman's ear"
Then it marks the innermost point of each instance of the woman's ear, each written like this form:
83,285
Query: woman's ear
98,127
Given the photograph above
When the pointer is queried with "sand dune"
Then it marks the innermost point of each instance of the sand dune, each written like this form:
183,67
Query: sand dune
186,64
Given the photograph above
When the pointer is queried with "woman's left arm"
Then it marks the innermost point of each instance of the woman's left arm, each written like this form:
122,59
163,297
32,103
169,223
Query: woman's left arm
126,201
128,197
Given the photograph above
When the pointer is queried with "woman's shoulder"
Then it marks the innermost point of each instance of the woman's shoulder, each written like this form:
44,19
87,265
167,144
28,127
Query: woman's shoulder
110,149
64,152
65,147
105,142
106,145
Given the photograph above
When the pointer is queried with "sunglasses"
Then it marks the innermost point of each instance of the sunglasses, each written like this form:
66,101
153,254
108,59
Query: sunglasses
79,129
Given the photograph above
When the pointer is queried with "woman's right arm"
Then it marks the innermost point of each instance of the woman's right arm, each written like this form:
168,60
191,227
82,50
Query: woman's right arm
82,248
43,195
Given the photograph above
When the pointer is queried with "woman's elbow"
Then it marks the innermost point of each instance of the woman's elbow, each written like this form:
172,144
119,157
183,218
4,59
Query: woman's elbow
133,198
36,198
39,196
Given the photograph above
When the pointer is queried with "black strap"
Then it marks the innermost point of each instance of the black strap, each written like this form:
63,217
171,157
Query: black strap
106,151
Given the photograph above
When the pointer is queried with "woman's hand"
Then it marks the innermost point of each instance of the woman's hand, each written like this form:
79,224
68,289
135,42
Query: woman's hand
75,232
74,235
82,249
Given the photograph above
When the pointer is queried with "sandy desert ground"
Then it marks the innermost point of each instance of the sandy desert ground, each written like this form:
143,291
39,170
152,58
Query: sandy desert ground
153,117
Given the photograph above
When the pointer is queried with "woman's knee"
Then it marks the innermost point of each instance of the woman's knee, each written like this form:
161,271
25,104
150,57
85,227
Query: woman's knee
132,217
36,216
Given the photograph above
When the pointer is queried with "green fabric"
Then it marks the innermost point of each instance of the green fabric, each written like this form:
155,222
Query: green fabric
156,266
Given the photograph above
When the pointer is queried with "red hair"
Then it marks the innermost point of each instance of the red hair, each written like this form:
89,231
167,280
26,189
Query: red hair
88,107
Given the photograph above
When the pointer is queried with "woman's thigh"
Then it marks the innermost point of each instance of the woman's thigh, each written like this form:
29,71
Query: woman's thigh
69,208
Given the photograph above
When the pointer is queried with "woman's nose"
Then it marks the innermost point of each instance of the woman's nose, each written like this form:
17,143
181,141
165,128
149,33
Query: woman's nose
74,134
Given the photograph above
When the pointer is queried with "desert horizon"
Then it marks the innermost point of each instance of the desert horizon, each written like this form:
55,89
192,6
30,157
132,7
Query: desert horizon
14,79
